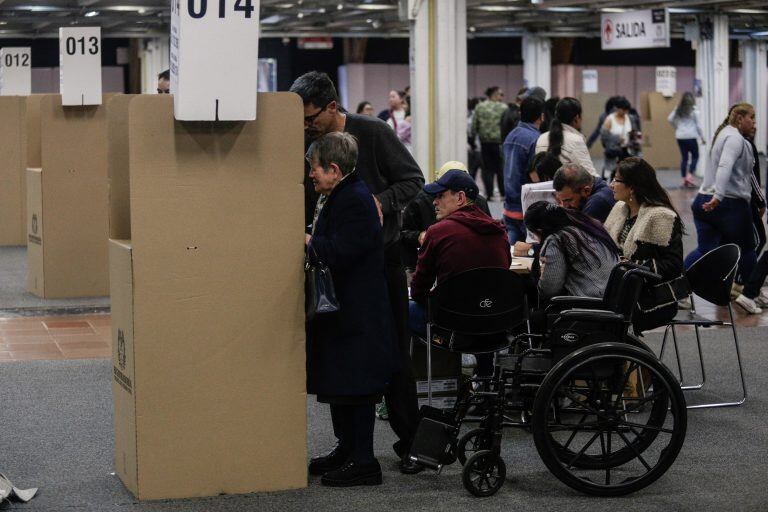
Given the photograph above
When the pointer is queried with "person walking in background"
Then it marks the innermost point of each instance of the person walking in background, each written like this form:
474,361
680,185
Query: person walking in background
518,150
486,124
399,118
721,210
564,140
616,134
648,231
511,116
474,158
609,106
685,120
365,108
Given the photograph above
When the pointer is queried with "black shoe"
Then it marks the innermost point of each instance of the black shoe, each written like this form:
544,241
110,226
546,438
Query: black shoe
352,473
331,461
409,467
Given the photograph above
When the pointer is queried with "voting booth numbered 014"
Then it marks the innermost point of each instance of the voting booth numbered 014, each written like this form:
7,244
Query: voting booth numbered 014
214,59
80,66
15,71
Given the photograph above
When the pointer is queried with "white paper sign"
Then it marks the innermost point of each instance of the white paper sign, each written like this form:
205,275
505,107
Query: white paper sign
635,29
15,71
666,80
80,65
214,59
589,80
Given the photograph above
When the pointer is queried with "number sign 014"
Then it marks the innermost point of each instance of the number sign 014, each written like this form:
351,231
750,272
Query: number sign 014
210,81
80,65
15,71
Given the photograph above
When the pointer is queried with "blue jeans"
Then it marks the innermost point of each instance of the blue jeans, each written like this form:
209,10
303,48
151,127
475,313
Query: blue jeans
417,318
730,222
515,230
688,146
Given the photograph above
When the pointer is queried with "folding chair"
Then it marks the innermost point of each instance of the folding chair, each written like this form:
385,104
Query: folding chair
711,278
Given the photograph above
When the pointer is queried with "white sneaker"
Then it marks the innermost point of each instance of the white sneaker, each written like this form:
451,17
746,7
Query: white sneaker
684,303
748,305
761,300
736,290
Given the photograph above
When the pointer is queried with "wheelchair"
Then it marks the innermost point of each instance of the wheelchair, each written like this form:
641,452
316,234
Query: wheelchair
607,417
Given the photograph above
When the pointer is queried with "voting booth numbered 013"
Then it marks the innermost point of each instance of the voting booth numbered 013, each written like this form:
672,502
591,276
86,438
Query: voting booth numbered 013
214,59
15,71
80,66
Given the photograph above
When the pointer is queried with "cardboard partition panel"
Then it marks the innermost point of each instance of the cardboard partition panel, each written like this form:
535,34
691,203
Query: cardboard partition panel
34,229
208,303
34,151
659,145
13,158
117,166
592,105
73,200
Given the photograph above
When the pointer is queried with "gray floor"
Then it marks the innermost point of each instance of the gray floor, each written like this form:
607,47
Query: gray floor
56,433
16,300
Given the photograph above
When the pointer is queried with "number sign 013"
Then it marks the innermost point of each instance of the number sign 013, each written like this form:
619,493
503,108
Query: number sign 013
15,71
209,80
80,65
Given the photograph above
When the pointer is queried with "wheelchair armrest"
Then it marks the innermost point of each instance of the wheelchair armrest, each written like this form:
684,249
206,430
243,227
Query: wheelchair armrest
562,303
591,315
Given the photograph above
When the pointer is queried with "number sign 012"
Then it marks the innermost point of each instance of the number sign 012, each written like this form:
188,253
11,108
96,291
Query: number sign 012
209,81
15,71
80,65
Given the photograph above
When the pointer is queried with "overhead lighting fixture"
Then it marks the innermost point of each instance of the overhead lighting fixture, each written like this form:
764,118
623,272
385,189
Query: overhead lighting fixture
340,7
759,34
748,11
300,15
567,9
613,9
273,20
498,8
684,10
375,7
91,14
472,28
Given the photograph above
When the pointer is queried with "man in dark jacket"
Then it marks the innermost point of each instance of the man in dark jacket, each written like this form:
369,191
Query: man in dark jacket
420,214
394,178
463,238
577,189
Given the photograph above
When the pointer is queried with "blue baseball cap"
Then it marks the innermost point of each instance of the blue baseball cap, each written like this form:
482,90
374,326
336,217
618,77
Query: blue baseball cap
455,180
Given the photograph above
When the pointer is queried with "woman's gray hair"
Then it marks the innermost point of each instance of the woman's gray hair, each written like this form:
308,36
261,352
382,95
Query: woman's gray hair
339,148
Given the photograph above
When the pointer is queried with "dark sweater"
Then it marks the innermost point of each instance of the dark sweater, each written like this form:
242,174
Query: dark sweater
466,239
599,204
417,217
386,167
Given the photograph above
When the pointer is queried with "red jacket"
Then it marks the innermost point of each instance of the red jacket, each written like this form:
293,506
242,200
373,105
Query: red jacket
466,239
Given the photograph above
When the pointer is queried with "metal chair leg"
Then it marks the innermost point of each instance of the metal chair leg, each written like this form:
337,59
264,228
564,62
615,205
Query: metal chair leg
701,363
429,365
677,356
741,373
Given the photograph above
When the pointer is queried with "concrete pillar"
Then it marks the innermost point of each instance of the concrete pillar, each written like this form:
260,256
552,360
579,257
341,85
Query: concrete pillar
755,77
537,62
155,58
438,67
711,47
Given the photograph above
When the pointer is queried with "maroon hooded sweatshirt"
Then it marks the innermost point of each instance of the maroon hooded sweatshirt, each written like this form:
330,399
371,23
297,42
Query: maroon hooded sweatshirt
466,239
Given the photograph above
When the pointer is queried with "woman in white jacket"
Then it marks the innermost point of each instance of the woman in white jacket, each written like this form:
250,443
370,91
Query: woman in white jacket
685,119
564,140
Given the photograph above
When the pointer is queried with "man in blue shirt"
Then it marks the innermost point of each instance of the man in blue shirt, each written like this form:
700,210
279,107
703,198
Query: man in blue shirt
577,189
519,148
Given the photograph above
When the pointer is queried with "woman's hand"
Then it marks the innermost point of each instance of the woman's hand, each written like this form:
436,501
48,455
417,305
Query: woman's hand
307,239
710,205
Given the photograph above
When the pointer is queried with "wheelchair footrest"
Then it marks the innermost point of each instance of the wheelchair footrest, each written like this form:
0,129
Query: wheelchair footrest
435,442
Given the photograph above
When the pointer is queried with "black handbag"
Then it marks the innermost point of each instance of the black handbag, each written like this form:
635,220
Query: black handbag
320,293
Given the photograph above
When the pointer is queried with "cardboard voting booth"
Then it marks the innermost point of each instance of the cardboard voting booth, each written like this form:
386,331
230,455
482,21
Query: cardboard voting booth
67,219
659,143
206,263
13,162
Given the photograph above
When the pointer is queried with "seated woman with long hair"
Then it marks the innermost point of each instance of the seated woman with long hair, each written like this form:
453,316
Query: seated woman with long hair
648,230
577,254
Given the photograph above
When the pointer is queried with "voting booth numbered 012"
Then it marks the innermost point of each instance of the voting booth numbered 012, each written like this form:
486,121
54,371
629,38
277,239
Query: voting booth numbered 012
80,66
214,59
15,71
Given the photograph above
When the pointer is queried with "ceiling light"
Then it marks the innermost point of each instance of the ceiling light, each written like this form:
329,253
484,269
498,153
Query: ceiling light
472,28
142,11
300,15
369,20
748,11
567,9
339,7
498,8
375,7
613,9
91,14
760,34
272,20
376,24
684,10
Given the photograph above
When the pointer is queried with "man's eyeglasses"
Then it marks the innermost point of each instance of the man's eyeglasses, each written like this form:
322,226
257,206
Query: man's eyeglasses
617,180
311,119
163,91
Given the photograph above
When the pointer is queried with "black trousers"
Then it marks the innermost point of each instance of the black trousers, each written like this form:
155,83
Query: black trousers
492,167
353,427
400,396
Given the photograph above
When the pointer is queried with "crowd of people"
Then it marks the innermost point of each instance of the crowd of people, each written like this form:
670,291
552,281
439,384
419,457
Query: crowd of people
372,220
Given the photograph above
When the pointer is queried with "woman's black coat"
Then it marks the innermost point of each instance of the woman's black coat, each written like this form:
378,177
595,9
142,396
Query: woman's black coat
351,352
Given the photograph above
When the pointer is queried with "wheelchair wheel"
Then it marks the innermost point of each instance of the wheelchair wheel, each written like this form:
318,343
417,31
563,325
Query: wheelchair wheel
602,438
484,473
472,442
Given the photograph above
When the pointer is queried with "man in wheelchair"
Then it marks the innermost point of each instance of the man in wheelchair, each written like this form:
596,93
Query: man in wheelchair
571,385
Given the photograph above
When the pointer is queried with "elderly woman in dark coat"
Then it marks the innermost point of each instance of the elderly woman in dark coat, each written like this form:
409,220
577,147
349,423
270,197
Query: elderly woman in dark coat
350,353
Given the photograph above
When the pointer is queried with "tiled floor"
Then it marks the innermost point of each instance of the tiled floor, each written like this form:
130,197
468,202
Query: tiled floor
68,337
